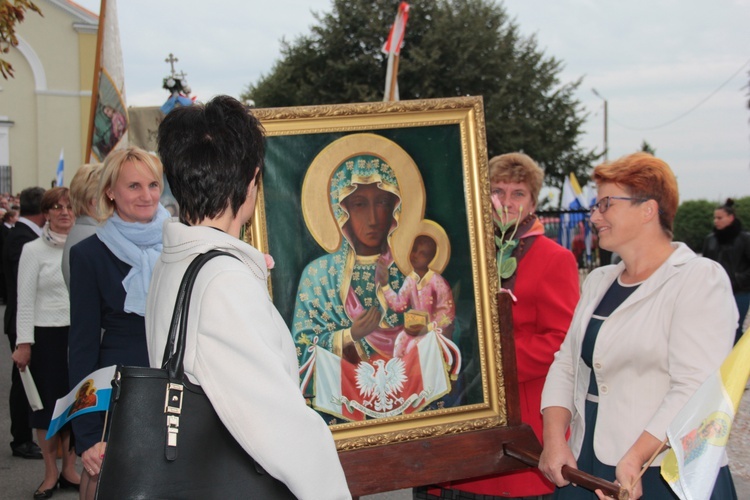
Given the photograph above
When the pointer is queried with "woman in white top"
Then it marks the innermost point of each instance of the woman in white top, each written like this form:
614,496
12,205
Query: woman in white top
238,347
42,323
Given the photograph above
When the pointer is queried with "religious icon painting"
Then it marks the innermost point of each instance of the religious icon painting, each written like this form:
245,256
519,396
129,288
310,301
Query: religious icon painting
377,216
110,118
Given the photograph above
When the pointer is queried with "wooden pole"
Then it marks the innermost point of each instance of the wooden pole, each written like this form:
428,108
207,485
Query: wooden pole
645,467
95,85
573,475
394,79
510,368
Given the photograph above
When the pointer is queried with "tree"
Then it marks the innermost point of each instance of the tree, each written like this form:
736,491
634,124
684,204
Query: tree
647,148
452,48
742,211
694,219
11,13
692,222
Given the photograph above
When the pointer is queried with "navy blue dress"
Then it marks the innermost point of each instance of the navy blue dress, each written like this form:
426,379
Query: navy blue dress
654,486
101,332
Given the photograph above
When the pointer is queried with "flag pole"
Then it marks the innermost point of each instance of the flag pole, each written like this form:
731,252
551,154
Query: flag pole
663,446
394,79
95,85
392,47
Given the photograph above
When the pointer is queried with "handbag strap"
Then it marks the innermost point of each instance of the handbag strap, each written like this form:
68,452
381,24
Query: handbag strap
174,351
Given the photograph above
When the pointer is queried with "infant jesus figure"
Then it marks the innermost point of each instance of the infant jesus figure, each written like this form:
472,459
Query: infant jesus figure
425,298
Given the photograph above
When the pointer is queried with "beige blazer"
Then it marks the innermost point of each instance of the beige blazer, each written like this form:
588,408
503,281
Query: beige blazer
651,354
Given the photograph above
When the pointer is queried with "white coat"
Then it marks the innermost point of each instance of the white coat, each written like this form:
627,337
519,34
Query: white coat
651,354
241,353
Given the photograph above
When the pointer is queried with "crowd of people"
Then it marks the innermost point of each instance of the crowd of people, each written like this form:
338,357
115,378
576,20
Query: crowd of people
79,264
91,274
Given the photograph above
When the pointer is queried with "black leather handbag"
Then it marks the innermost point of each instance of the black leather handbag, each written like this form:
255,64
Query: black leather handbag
165,441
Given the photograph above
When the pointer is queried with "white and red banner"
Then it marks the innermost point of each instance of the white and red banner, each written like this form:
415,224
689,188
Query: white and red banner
382,387
392,47
395,38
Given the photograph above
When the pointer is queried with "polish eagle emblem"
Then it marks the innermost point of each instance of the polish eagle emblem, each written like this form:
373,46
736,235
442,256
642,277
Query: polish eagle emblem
381,381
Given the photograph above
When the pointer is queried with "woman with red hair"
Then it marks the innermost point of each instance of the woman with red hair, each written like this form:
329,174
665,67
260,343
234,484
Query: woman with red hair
645,335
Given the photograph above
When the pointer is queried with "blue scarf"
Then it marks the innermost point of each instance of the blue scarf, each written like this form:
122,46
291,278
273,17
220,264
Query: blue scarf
138,245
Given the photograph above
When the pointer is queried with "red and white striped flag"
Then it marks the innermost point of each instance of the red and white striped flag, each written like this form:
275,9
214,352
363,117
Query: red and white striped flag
392,47
396,37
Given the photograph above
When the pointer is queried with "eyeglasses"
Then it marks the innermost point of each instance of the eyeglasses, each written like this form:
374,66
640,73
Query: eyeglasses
57,207
603,204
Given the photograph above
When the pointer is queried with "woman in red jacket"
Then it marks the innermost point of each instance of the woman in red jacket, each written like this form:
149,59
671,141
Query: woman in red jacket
546,289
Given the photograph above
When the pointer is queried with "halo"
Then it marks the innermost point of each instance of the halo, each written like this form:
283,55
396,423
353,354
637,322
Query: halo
316,205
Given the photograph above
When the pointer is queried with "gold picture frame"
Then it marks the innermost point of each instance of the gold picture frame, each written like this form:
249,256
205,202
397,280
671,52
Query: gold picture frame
437,149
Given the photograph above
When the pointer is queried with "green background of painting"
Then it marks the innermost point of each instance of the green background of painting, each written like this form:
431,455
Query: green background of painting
437,152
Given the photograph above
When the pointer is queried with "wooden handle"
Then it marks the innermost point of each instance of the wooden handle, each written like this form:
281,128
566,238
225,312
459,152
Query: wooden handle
573,475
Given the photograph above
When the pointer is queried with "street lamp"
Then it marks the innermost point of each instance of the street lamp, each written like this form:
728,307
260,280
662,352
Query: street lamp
606,143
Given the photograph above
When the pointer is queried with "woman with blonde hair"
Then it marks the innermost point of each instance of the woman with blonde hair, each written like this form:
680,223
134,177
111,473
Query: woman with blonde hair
645,335
83,198
110,273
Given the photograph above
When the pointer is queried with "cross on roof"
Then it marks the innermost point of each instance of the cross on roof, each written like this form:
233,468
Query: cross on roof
171,60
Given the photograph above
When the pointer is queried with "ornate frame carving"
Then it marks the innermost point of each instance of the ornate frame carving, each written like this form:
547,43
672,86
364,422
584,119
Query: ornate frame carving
453,128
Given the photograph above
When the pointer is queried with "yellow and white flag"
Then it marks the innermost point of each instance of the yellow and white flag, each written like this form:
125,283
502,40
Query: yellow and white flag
698,435
108,124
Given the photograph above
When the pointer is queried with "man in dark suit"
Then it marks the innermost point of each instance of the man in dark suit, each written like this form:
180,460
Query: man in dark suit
4,230
28,228
9,219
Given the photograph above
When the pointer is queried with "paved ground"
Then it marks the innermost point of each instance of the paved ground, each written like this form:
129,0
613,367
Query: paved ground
19,478
739,448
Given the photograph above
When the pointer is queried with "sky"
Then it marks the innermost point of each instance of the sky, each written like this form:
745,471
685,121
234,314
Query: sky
673,72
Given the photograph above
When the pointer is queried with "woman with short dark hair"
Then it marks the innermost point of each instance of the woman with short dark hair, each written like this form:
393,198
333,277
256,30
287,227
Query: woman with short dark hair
238,348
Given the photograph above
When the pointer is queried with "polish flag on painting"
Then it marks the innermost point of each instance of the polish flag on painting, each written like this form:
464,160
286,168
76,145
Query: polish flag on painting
381,387
698,434
108,125
90,394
